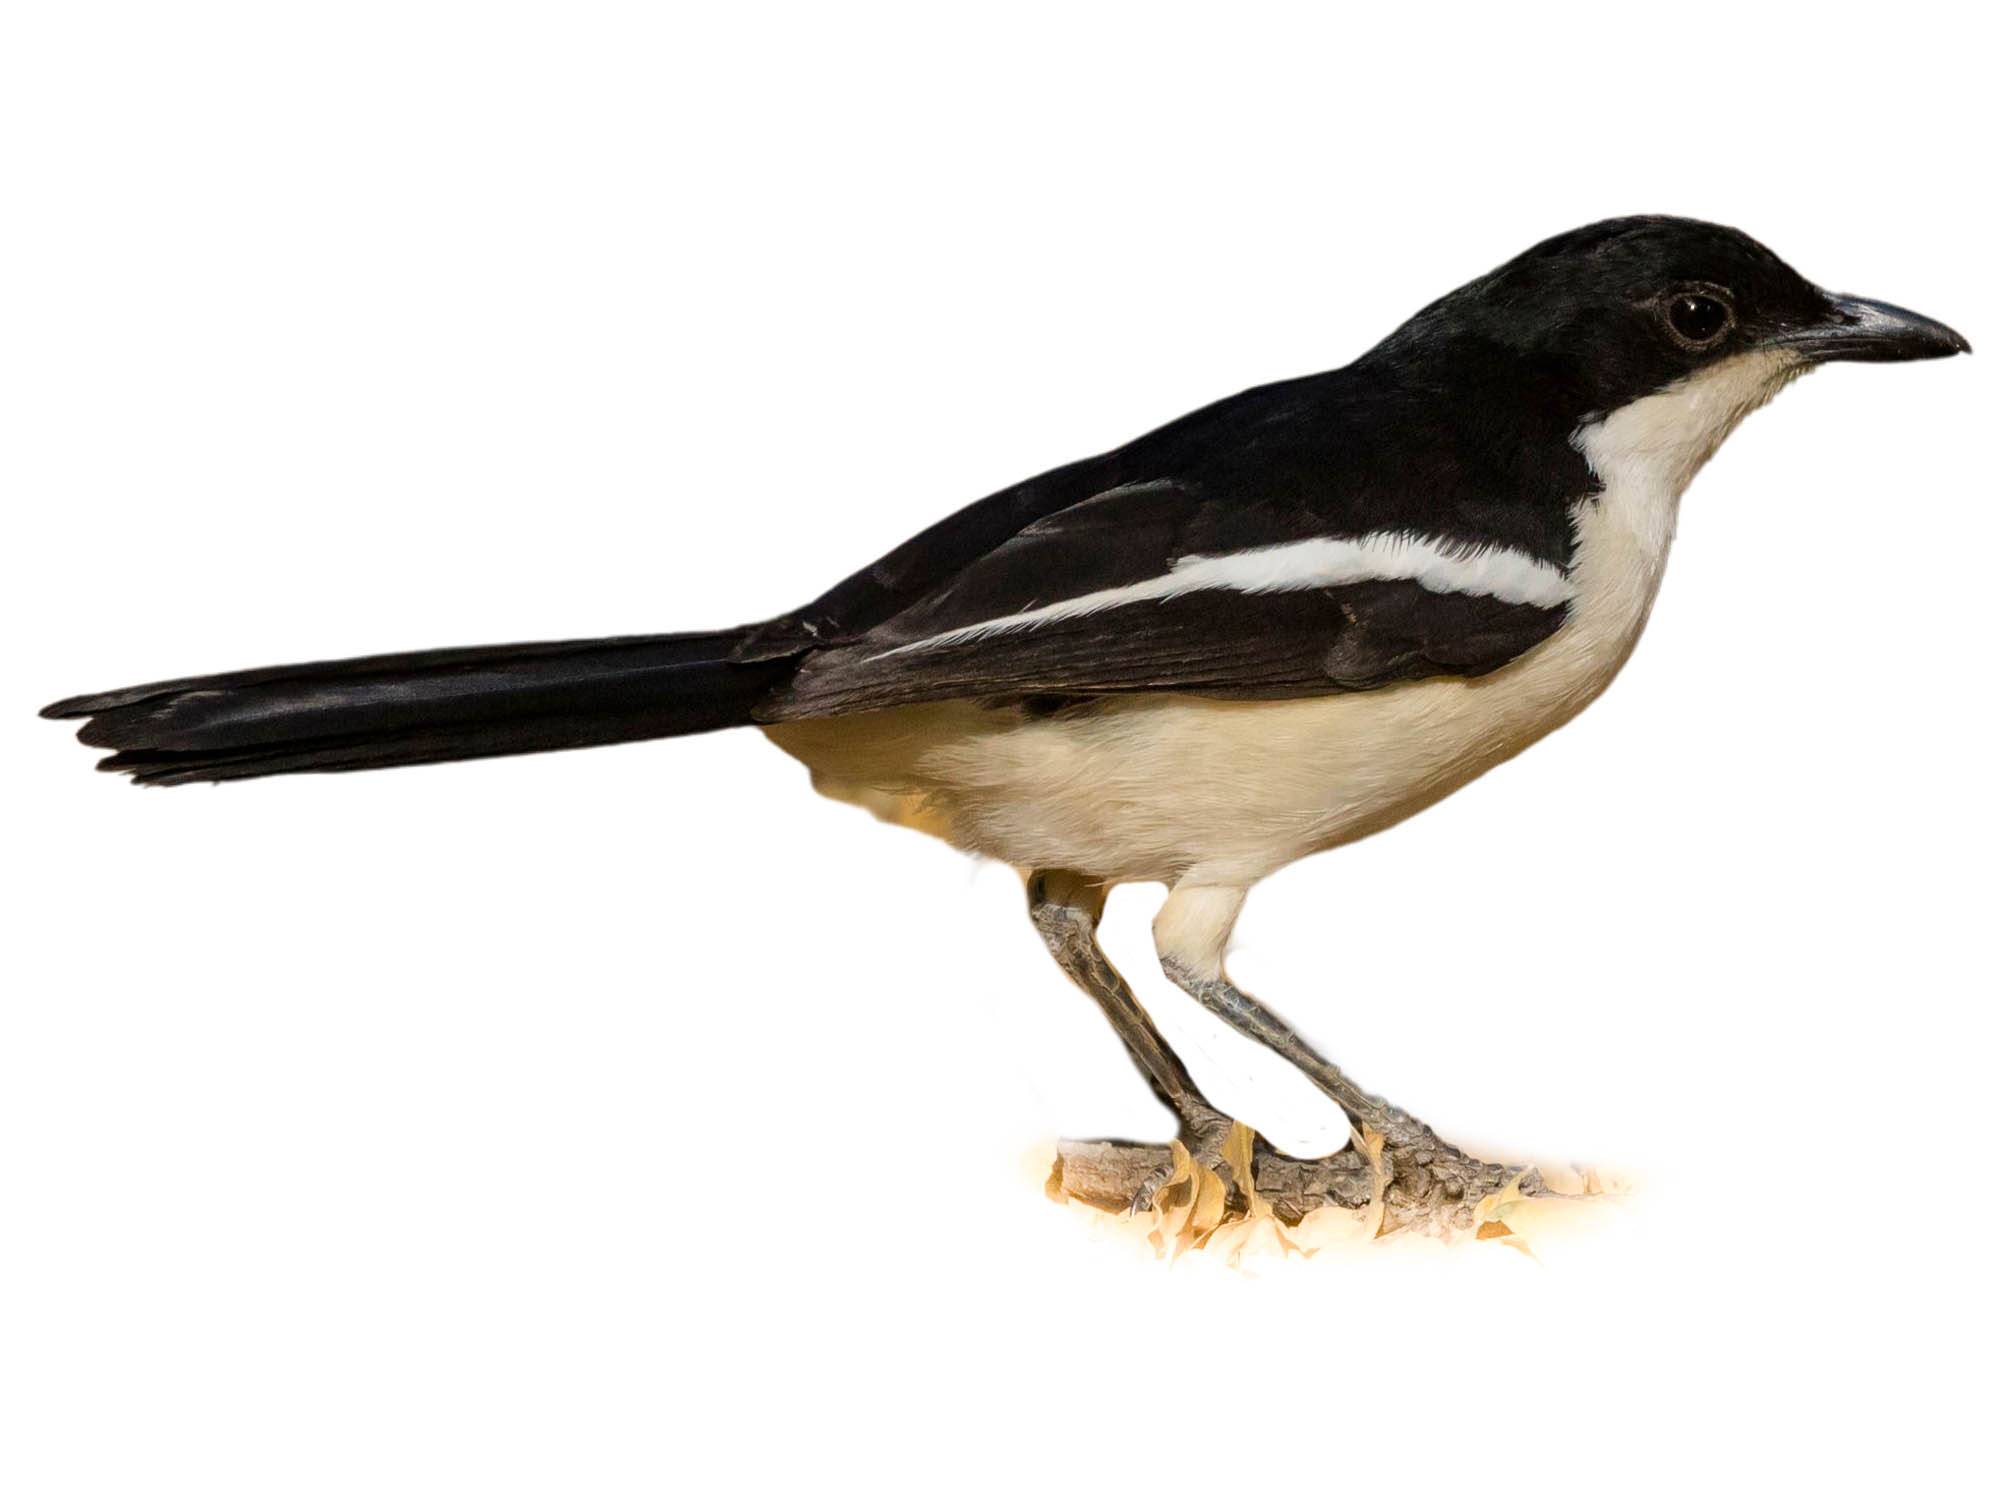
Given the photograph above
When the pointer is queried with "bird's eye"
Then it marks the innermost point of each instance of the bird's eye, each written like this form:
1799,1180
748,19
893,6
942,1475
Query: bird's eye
1698,320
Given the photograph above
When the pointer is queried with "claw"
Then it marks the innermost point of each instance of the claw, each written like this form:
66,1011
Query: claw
1213,1156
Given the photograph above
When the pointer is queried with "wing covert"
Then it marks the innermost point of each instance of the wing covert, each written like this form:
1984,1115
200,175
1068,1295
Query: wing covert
1108,596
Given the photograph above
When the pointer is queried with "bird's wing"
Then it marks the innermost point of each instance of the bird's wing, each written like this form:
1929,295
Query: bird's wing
1166,586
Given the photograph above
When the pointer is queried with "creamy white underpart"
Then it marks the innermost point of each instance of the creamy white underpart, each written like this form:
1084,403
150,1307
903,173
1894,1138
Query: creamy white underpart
1213,794
1307,564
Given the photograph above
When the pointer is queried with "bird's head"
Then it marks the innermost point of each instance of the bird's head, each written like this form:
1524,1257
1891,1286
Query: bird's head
1697,318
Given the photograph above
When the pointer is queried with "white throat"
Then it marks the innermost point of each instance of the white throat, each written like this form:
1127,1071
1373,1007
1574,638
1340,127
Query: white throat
1646,452
1643,456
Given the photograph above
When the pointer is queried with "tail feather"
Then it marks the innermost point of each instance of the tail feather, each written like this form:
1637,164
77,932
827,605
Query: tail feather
426,707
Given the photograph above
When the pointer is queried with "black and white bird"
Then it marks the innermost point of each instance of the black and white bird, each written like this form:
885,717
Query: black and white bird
1269,628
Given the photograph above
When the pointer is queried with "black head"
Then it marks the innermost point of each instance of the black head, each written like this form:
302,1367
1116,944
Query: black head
1616,310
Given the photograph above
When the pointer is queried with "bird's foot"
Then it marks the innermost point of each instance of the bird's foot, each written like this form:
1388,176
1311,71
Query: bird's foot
1426,1179
1209,1169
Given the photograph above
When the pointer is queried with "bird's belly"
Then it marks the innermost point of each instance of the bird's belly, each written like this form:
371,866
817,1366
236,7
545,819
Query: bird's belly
1227,791
1165,787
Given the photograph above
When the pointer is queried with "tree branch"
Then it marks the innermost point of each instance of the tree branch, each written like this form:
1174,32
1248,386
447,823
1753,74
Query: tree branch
1416,1185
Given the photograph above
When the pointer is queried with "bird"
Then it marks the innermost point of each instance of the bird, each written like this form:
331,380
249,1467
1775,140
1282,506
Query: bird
1269,628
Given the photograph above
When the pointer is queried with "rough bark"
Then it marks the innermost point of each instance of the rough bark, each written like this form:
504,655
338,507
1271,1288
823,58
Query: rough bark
1422,1185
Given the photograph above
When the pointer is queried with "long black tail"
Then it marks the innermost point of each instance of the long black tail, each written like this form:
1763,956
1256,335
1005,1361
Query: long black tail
427,707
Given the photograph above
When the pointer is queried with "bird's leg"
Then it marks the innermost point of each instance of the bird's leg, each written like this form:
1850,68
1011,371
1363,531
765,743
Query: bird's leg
1067,908
1421,1170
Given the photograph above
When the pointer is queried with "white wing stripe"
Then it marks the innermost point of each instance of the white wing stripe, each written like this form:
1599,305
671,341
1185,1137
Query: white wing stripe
1309,564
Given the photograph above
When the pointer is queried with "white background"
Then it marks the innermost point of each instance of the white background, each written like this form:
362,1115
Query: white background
632,1126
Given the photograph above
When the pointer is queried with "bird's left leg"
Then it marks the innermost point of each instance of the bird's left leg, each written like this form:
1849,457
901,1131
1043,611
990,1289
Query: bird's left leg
1421,1169
1067,908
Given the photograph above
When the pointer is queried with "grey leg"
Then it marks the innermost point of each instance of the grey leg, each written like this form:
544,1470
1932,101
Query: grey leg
1067,908
1421,1167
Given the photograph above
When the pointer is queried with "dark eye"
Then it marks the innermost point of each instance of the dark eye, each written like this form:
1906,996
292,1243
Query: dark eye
1697,319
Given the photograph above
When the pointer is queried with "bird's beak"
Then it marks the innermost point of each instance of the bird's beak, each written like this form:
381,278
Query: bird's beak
1861,329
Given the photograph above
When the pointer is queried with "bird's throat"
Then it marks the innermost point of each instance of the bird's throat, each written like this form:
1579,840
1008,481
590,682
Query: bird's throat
1658,442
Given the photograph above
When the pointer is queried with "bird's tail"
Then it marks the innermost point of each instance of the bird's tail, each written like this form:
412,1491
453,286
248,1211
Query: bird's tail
428,707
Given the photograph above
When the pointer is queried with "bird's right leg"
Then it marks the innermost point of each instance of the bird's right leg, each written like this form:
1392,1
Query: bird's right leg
1423,1170
1067,908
